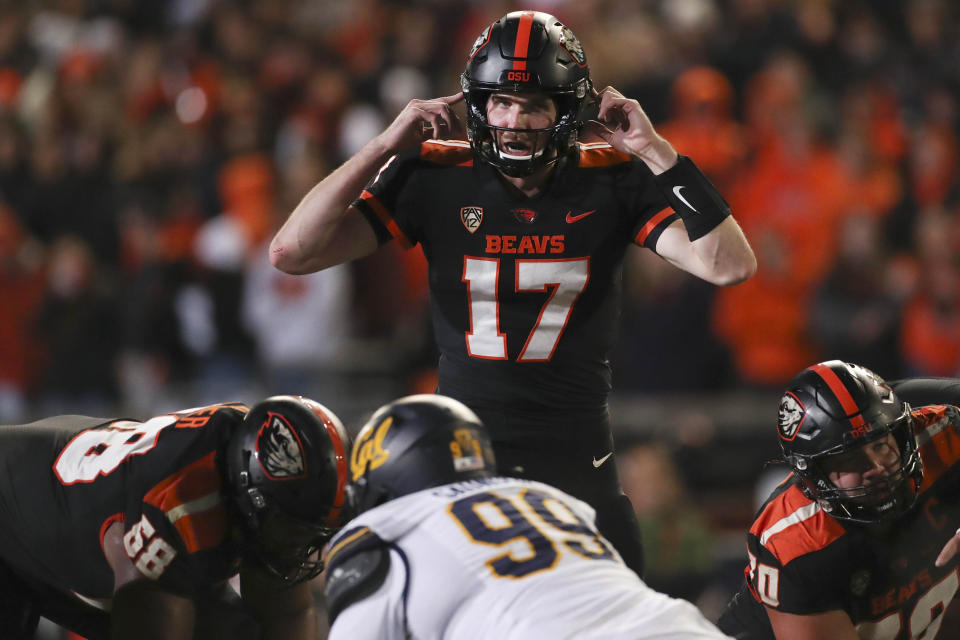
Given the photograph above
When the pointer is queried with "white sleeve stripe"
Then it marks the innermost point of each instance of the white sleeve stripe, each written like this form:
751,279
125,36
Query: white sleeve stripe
449,143
200,504
801,514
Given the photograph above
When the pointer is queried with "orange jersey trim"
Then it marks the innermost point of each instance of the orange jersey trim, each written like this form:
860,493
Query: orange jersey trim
447,152
190,499
652,224
938,442
384,216
600,155
793,525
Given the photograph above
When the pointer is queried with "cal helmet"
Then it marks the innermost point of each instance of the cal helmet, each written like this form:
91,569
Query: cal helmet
526,51
415,443
832,409
287,474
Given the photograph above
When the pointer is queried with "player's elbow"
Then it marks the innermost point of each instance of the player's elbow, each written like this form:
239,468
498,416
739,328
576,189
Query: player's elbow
286,257
281,257
736,271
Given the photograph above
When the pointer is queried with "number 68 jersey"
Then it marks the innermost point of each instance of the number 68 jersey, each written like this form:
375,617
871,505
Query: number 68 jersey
492,558
67,479
803,561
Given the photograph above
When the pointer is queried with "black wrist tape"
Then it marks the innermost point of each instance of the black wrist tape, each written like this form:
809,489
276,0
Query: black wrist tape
693,197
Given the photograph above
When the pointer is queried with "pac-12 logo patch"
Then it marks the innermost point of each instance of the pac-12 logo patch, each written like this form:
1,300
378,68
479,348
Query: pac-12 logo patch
791,415
279,449
471,217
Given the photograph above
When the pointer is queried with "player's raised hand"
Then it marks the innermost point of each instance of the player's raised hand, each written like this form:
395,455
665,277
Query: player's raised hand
623,124
949,550
421,120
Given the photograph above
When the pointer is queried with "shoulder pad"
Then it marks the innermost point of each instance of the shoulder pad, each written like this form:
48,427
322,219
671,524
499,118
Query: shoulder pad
600,155
356,567
447,152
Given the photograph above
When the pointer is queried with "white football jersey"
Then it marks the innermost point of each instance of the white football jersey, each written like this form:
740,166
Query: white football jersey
505,558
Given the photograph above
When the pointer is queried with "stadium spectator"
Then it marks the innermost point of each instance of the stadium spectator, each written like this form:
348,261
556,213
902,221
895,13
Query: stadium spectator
77,321
676,533
22,286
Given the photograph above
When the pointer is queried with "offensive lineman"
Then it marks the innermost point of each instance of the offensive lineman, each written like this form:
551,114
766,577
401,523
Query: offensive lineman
525,232
861,540
443,549
129,530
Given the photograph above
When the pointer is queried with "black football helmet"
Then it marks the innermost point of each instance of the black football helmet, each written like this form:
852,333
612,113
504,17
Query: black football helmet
832,409
521,52
415,443
287,475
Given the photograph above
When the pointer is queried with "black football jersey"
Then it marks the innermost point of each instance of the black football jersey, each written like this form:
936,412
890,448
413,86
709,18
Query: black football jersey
66,479
525,292
804,561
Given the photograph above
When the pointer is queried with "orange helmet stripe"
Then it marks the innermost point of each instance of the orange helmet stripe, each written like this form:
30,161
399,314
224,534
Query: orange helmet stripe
841,392
522,45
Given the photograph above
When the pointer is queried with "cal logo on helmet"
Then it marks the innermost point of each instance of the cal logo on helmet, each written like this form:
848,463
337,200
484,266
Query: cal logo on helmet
368,452
791,415
466,450
279,449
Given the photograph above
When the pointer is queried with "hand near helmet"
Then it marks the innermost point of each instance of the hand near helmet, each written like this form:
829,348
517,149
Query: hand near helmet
624,125
949,550
421,120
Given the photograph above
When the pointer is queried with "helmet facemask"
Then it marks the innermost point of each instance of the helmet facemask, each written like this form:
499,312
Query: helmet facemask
526,52
549,143
286,546
289,547
879,499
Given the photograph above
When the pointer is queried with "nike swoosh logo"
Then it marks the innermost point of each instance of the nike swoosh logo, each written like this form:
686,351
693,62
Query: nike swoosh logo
573,218
676,192
597,463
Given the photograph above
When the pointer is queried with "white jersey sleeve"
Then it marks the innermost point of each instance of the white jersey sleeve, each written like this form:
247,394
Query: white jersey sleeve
379,616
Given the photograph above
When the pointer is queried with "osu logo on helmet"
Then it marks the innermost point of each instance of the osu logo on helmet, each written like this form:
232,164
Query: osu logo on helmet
280,451
791,416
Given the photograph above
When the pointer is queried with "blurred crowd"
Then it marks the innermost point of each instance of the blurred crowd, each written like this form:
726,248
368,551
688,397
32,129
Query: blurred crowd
149,148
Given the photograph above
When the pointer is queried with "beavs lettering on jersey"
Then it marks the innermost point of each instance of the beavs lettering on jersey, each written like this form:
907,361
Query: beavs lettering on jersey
525,244
200,417
190,499
792,525
898,596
